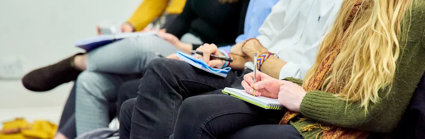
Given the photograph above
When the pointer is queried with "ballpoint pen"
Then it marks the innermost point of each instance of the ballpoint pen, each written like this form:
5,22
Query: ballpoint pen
214,56
255,73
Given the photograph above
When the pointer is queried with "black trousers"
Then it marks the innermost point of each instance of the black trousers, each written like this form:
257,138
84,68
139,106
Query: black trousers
223,116
165,84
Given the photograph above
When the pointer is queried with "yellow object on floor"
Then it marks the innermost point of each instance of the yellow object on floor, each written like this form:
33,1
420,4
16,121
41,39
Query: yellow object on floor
21,129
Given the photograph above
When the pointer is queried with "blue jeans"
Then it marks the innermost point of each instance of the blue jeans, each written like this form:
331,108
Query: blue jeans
108,67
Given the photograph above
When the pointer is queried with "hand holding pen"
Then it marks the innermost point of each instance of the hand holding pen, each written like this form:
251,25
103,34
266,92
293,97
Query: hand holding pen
211,55
265,85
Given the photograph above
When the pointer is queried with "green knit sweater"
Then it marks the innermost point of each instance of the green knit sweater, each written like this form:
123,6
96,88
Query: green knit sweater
382,117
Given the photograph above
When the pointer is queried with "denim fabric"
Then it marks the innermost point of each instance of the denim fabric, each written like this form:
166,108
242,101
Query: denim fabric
125,118
127,90
165,84
223,116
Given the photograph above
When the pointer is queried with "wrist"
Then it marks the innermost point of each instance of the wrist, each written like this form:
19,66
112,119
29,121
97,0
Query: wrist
129,26
184,46
224,53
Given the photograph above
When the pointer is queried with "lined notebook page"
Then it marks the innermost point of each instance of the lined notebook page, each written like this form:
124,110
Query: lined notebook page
264,102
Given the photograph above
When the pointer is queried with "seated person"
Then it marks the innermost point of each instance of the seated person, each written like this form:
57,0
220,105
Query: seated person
360,83
145,13
293,39
109,66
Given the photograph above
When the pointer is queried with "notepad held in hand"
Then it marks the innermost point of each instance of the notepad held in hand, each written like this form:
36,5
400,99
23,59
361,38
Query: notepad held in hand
101,40
200,64
263,102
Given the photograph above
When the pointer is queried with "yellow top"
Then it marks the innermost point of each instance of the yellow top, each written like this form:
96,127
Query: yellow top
151,9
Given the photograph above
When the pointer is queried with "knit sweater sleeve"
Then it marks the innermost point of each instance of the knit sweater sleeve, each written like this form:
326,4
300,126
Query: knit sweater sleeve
385,114
147,12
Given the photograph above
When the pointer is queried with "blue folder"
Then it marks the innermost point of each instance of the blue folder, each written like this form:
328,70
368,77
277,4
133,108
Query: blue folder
200,64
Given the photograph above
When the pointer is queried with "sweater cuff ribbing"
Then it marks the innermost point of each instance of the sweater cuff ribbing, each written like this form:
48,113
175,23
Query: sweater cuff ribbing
318,105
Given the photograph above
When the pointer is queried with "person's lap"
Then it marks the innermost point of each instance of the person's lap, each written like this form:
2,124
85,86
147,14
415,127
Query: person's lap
163,86
219,116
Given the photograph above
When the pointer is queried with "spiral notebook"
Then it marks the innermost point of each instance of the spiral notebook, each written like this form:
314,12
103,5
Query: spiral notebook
263,102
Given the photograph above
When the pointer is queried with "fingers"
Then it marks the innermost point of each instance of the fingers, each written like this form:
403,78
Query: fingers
207,50
216,63
246,87
163,31
98,30
261,84
249,78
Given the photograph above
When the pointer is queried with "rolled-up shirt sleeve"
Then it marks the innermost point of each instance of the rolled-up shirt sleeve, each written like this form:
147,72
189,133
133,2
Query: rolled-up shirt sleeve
291,70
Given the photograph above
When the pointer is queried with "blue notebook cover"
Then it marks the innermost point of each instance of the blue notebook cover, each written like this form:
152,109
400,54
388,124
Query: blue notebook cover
101,40
200,64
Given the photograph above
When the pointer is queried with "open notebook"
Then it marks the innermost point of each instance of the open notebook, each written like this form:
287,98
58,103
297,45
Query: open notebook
101,40
263,102
200,64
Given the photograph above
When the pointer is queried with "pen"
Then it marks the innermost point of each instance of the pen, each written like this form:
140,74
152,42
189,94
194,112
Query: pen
214,56
255,73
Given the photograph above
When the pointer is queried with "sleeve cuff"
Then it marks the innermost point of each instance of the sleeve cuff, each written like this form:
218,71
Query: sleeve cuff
290,70
263,40
318,105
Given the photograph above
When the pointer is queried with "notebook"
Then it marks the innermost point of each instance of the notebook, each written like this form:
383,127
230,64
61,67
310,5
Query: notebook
263,102
200,64
101,40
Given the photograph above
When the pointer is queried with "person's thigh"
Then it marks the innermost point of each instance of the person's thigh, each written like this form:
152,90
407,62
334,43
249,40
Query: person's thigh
269,131
218,116
128,56
163,86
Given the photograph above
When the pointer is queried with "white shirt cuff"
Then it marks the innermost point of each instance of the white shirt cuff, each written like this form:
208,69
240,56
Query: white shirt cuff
290,70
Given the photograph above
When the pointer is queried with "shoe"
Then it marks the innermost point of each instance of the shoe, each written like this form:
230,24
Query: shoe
47,78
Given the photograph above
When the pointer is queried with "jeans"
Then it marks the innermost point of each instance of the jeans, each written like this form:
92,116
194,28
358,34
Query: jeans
108,67
125,118
223,116
127,91
165,84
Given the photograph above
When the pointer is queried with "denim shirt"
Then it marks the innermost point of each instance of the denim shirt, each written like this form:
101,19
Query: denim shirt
257,12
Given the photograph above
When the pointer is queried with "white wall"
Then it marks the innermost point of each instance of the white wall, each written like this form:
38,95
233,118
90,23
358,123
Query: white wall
41,32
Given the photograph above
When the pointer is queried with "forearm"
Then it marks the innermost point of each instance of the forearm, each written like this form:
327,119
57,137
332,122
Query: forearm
185,47
272,66
329,108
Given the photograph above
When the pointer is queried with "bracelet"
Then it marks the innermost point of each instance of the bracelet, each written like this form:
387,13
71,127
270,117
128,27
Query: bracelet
262,58
227,63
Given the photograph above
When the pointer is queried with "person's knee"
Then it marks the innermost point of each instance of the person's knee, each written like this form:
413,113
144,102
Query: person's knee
127,109
165,69
194,107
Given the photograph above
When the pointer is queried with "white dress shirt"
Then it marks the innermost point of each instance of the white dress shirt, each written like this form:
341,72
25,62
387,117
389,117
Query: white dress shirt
294,31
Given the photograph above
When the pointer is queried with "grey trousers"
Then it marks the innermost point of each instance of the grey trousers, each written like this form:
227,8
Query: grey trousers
110,66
